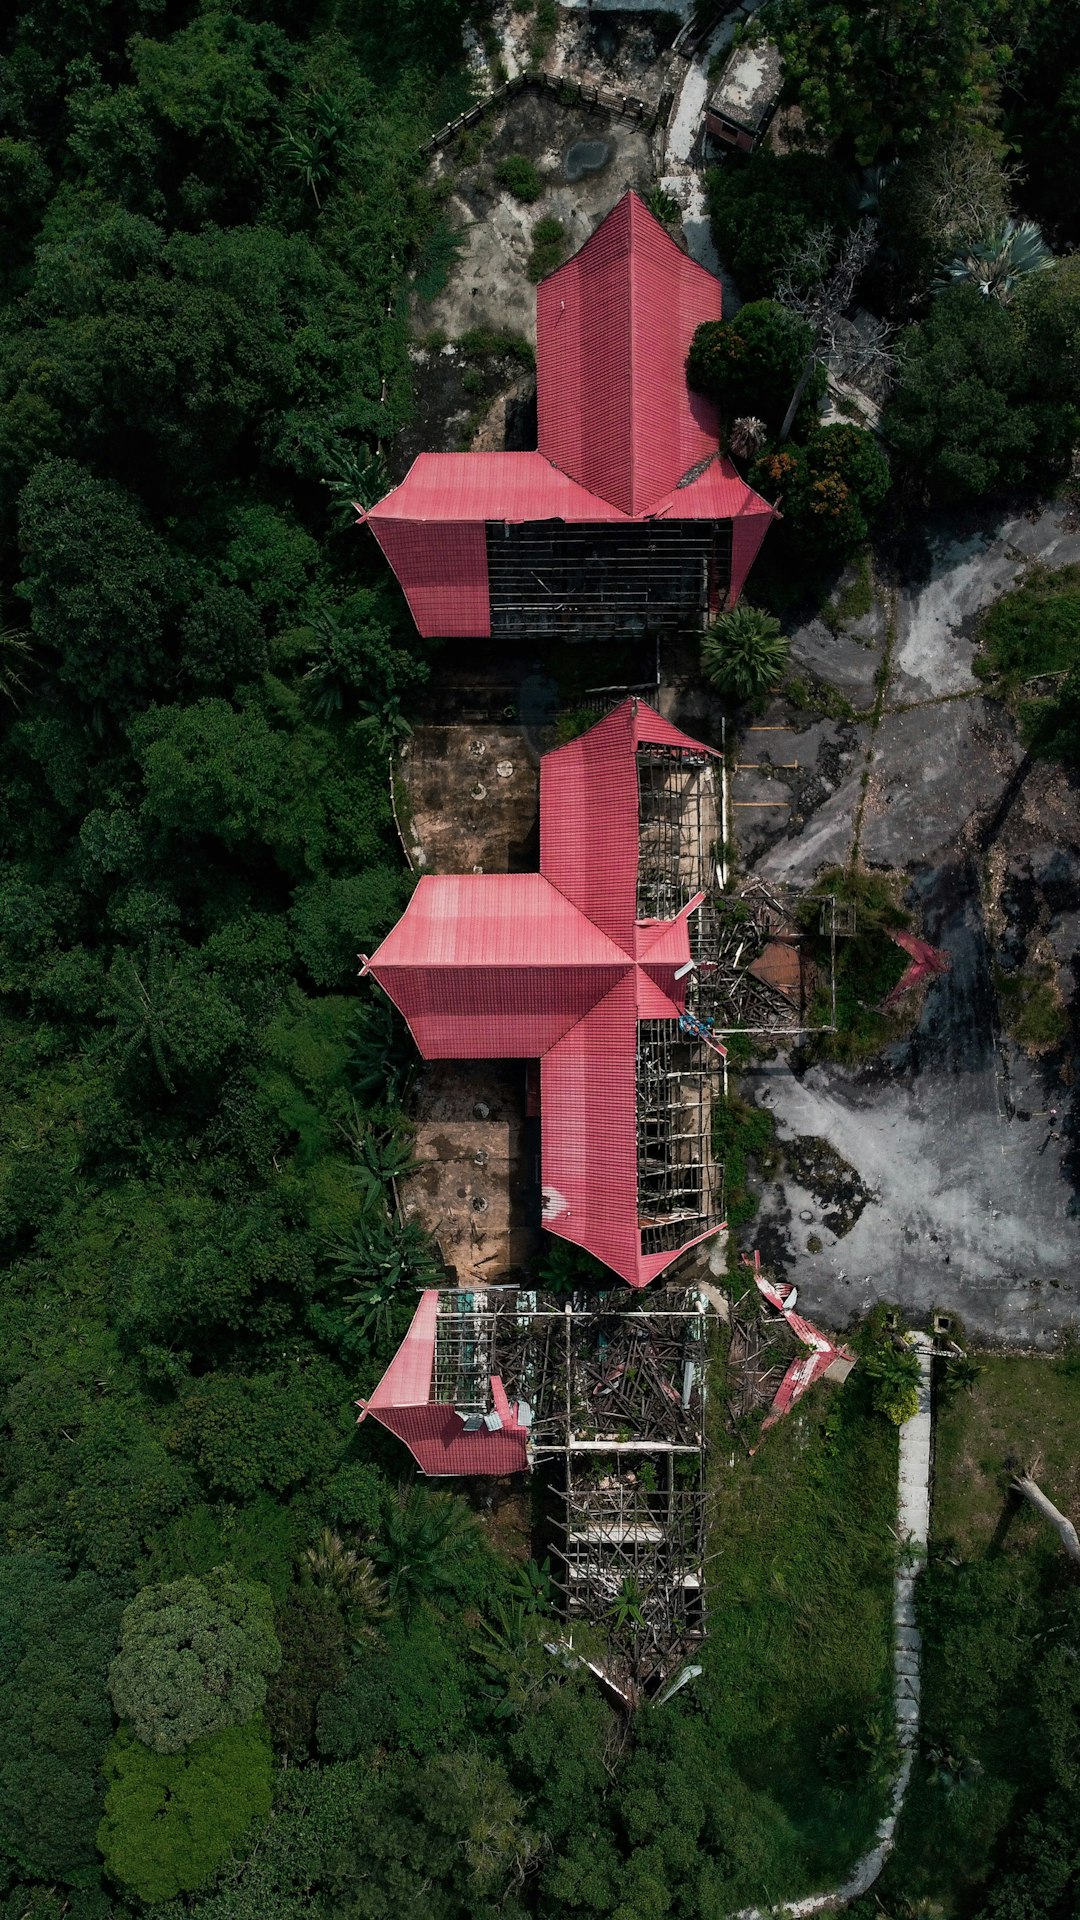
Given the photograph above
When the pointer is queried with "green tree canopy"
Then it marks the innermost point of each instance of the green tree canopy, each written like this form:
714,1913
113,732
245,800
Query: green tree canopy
752,364
57,1634
172,1818
765,209
883,75
194,1658
974,410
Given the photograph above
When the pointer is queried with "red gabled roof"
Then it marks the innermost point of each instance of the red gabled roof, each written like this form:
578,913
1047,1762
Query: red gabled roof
435,1433
613,329
493,966
556,966
489,486
619,429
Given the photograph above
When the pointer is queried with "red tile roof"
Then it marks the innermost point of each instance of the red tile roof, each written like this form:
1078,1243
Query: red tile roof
555,966
613,329
435,1433
619,430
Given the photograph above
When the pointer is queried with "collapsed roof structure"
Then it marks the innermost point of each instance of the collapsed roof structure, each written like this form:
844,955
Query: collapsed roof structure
584,967
627,518
606,1395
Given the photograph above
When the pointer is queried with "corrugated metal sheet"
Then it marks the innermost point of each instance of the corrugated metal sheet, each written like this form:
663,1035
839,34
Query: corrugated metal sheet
589,1141
496,920
720,493
407,1380
589,823
493,966
439,1444
613,328
434,1433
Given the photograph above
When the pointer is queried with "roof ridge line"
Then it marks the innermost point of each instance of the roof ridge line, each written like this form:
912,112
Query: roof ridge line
589,1011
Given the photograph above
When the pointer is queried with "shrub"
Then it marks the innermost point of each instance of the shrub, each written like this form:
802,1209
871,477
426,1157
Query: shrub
831,489
664,207
171,1819
766,209
895,1374
752,364
744,653
548,248
520,177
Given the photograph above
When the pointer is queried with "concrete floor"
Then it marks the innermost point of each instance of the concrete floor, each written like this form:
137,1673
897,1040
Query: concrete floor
973,1183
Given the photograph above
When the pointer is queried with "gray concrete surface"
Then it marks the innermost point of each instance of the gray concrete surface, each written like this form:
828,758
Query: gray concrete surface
843,659
933,769
972,1208
963,1141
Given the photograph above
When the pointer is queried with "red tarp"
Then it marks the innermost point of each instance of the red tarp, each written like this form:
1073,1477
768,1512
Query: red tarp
555,966
619,430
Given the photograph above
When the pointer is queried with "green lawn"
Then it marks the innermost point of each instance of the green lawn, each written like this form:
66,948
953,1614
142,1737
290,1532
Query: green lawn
994,1610
798,1660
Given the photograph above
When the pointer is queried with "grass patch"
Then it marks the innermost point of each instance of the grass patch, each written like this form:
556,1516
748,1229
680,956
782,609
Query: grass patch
543,33
868,966
548,249
1032,631
573,722
994,1606
855,600
1030,1008
798,1661
485,343
742,1134
816,697
520,177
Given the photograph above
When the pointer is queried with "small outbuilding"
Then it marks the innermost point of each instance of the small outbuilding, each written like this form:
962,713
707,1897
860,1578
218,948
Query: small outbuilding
746,95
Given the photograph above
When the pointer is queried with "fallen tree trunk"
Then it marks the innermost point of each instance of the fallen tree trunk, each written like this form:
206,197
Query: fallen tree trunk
1030,1490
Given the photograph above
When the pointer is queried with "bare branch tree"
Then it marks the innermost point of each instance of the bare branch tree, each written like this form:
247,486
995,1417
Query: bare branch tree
847,350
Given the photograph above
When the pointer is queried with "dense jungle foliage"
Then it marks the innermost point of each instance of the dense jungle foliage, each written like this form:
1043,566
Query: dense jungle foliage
248,1672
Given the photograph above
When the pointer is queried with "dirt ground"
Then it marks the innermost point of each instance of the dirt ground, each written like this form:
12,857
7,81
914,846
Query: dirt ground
477,1189
474,799
489,286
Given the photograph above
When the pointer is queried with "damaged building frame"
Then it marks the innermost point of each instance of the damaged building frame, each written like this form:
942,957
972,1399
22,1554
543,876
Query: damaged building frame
605,1396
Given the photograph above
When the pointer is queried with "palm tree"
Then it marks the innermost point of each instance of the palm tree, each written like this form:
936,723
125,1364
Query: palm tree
383,1060
424,1537
744,653
998,259
351,1578
664,207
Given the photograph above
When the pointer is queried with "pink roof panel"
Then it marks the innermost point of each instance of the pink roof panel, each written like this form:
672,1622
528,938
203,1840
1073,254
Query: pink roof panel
493,966
442,571
434,1433
613,329
589,823
489,486
719,493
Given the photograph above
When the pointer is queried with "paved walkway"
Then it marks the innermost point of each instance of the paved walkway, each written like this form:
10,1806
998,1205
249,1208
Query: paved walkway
913,1529
681,160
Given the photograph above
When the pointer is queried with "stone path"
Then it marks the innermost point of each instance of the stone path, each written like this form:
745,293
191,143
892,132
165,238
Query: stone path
913,1528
